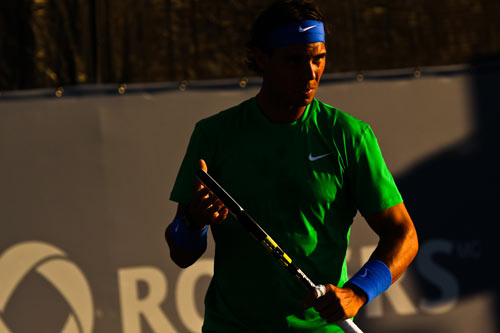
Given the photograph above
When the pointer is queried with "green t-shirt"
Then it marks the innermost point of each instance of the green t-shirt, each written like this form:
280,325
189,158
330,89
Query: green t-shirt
303,183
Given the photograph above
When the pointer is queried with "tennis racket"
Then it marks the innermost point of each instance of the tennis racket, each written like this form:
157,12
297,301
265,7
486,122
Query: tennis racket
267,242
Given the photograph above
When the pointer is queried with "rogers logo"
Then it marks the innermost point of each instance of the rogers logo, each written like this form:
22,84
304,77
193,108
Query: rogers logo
51,263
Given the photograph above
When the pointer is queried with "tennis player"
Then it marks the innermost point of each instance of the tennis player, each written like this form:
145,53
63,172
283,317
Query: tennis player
302,169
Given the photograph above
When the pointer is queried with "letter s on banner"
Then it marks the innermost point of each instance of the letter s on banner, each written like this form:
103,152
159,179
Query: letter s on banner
436,275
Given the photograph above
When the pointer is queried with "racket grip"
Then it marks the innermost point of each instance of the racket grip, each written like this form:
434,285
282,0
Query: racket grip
348,326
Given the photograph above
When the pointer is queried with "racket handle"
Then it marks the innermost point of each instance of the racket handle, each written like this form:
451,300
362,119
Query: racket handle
348,326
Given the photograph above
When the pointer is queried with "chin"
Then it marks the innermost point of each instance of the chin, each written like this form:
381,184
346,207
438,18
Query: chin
306,101
302,100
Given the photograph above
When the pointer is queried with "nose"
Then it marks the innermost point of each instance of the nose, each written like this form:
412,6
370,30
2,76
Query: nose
309,70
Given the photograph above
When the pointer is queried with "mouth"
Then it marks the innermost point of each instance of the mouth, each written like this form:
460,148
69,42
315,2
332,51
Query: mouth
308,90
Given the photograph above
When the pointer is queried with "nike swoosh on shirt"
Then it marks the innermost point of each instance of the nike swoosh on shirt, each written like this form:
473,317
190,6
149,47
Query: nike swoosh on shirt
306,28
314,158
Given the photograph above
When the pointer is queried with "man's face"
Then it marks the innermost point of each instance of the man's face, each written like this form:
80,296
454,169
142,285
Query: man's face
292,73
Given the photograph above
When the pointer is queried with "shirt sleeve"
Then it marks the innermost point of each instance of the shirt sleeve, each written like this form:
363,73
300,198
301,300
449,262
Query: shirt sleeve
182,191
374,186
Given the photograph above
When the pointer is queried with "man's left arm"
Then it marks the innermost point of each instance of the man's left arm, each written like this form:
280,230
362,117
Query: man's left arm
397,247
398,243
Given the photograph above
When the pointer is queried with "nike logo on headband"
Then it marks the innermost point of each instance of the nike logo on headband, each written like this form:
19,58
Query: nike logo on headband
306,28
301,32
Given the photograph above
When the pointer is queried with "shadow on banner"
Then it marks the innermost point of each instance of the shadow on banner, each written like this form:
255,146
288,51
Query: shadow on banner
452,198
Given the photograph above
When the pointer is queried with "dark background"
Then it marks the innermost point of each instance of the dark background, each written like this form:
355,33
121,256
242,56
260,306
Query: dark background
51,43
107,161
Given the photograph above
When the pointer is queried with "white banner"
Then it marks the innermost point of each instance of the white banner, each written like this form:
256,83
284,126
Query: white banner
85,181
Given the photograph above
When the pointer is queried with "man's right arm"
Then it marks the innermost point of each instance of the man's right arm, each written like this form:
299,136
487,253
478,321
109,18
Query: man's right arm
191,221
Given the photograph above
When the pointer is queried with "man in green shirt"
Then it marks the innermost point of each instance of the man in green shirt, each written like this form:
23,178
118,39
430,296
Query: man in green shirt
302,169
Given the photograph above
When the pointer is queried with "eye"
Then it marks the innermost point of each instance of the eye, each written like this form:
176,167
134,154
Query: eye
319,58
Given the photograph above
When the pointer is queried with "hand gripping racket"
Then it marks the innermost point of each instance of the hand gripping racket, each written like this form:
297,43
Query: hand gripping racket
266,241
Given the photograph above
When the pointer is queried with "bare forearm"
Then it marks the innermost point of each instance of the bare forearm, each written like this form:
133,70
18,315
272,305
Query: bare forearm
398,243
397,251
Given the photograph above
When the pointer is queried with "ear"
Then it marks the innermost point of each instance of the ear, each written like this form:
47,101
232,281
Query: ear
261,59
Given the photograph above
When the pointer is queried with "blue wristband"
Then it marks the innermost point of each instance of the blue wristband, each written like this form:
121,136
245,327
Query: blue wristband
373,278
189,240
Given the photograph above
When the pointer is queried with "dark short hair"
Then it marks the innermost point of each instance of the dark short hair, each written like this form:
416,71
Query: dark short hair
280,12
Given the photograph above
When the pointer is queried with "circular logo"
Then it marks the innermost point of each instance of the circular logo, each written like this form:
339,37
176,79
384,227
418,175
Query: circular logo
51,263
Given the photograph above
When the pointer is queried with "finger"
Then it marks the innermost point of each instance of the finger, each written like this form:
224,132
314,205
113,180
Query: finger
309,300
215,202
202,191
200,188
215,211
201,195
214,207
330,299
202,165
335,317
197,184
209,203
219,205
325,302
332,314
222,215
313,296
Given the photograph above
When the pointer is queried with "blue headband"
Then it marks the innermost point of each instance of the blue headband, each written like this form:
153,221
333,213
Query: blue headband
302,32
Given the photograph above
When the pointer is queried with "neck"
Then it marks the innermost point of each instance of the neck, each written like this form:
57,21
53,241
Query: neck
278,112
